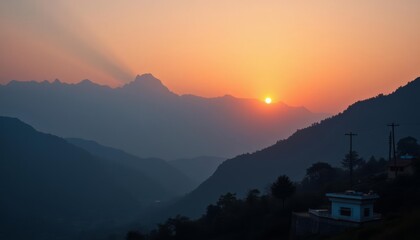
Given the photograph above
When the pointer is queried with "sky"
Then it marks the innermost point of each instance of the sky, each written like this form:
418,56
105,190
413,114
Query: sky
320,54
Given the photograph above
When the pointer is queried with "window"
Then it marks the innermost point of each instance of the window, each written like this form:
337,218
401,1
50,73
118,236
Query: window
345,211
366,212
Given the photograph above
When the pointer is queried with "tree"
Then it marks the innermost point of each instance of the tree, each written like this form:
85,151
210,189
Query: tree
352,161
283,188
408,145
318,176
356,160
372,167
163,231
252,196
319,172
176,228
212,212
227,201
183,228
134,235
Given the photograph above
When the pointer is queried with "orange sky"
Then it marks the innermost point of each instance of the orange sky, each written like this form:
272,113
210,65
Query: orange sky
320,54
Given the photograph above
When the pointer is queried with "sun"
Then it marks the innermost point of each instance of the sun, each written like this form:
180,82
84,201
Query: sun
267,100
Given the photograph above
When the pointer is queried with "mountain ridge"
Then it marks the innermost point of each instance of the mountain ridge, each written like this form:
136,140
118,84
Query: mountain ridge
198,168
55,190
152,121
324,141
139,81
173,180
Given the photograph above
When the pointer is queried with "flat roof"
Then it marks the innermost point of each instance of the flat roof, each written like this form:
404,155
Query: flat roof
353,195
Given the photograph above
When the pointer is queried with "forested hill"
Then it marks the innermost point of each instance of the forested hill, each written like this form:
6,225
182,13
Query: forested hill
324,141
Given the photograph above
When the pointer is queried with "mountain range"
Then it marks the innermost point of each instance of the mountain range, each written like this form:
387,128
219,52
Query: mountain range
178,176
145,118
324,141
74,185
169,177
51,188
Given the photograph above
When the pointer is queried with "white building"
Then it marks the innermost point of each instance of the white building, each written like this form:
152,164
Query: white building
347,210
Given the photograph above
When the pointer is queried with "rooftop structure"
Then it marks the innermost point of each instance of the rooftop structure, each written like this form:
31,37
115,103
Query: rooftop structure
353,206
348,209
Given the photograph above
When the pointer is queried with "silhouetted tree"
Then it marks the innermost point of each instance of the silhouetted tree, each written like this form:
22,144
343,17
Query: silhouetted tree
183,228
227,200
357,161
177,228
373,167
319,175
134,235
283,188
163,231
252,196
320,172
408,145
229,215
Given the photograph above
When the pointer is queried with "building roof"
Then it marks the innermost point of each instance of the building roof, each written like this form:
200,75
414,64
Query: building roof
353,195
407,156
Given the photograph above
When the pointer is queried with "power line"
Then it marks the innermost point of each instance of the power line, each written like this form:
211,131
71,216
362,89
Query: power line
390,146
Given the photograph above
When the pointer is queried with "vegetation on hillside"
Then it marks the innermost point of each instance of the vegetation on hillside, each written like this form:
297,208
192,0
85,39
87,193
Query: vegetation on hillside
267,216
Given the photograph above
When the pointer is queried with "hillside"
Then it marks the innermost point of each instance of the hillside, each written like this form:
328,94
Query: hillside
170,178
197,169
51,189
145,118
320,142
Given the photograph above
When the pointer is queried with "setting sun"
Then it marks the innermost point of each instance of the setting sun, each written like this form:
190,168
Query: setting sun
267,100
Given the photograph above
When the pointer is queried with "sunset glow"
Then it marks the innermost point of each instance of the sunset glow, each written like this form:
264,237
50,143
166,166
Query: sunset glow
267,100
308,52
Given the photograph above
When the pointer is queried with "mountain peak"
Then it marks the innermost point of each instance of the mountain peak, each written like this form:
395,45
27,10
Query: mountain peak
147,83
89,85
147,79
86,82
146,75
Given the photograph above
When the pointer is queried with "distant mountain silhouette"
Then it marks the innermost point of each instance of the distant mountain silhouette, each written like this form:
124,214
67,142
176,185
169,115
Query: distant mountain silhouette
168,176
199,168
148,85
145,118
51,189
324,142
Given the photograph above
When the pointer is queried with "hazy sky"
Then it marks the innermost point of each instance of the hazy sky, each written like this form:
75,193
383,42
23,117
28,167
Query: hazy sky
320,54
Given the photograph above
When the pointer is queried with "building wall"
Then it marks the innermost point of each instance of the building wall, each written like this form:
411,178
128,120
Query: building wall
308,226
357,210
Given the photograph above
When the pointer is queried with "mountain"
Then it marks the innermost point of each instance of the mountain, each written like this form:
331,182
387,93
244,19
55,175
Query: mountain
51,189
199,168
145,118
169,177
324,141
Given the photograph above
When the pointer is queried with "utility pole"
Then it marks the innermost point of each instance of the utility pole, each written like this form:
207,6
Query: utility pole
351,134
393,125
390,146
